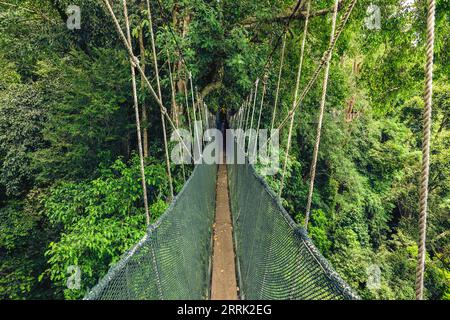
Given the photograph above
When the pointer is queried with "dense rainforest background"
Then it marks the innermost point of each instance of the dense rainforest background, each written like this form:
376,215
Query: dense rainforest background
69,176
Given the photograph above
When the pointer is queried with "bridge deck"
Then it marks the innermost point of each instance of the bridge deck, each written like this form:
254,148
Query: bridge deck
223,286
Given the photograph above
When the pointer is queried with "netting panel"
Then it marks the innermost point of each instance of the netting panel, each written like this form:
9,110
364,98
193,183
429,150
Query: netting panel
276,259
172,261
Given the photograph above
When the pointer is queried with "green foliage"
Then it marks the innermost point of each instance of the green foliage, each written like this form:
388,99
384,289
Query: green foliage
318,231
22,117
66,116
24,234
86,121
100,219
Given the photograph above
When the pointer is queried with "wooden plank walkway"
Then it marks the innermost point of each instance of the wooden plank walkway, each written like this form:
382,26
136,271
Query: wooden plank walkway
223,286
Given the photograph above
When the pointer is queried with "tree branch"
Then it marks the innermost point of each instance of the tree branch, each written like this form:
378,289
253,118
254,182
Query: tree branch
301,15
210,88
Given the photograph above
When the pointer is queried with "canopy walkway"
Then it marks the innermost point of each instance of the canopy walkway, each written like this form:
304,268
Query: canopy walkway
275,259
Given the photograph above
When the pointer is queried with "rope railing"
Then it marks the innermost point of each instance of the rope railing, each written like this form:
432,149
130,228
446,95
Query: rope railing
425,150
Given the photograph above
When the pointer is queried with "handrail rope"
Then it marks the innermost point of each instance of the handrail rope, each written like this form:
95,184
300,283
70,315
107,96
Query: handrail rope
320,120
283,48
138,124
297,88
136,64
315,75
425,150
158,84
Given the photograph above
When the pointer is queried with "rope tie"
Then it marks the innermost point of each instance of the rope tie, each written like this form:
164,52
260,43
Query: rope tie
420,270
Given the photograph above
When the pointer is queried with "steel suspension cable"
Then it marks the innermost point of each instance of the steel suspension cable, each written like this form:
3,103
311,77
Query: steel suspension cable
320,120
138,124
425,150
297,88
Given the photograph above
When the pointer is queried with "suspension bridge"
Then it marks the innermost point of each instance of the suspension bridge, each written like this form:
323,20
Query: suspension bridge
226,235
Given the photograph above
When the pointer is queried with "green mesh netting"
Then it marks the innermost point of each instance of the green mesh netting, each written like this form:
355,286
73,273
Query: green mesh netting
172,261
275,258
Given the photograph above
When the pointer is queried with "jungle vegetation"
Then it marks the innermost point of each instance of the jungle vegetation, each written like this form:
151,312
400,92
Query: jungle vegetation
69,176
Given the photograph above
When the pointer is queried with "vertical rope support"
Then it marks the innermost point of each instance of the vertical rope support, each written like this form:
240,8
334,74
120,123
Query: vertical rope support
425,151
247,117
283,48
199,106
206,114
297,88
320,120
244,119
138,123
195,114
253,109
261,106
187,105
163,121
